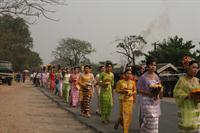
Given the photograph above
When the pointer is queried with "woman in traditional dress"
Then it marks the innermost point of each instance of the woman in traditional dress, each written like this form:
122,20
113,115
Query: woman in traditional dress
98,88
47,85
66,85
127,89
44,76
48,78
149,102
52,80
187,95
86,82
58,81
106,97
74,87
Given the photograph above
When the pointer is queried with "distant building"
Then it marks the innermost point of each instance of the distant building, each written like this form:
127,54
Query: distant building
169,75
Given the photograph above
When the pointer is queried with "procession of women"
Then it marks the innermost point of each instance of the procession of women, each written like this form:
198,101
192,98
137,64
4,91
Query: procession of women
78,85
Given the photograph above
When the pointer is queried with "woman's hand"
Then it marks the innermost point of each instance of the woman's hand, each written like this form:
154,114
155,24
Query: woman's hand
124,91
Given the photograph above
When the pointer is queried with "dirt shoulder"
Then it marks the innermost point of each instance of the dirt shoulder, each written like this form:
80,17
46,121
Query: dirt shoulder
24,109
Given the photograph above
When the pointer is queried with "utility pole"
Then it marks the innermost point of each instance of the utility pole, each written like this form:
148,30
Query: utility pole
155,44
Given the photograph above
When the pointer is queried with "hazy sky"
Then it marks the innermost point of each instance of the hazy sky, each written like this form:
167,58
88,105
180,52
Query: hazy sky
102,21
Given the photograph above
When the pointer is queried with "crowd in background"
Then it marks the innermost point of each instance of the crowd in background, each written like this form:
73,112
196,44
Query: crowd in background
77,86
20,77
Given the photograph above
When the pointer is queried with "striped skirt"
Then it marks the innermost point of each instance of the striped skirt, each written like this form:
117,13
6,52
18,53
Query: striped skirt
150,112
86,98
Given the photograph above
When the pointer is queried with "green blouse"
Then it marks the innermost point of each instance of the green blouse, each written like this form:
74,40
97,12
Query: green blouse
189,108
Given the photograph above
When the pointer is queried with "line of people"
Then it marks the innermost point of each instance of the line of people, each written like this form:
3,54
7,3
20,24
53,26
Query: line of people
78,88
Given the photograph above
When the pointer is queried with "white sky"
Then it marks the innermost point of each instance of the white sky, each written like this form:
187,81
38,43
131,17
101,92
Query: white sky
101,21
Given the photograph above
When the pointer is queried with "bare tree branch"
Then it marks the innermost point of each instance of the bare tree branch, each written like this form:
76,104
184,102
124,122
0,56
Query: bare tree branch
127,55
33,8
131,47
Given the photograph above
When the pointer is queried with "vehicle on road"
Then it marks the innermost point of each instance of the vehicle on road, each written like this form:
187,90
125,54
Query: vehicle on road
6,72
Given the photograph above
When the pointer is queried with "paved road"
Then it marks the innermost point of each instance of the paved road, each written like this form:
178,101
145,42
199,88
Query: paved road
168,120
24,109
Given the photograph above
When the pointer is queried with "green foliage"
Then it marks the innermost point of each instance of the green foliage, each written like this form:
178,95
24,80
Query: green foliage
196,54
72,52
172,50
14,32
95,68
16,43
107,61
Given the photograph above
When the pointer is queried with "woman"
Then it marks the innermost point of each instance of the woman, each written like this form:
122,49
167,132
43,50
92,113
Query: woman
149,102
106,81
127,89
47,85
188,102
66,85
86,82
74,87
98,88
44,77
58,81
52,80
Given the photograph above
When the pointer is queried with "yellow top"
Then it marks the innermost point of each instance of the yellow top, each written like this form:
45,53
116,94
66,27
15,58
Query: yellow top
126,89
85,79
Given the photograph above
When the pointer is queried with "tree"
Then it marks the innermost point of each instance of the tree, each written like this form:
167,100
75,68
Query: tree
14,32
196,54
172,50
34,8
34,61
72,52
16,43
107,61
130,47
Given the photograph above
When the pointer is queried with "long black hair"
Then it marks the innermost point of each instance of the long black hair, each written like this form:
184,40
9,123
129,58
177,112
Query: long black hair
150,59
193,62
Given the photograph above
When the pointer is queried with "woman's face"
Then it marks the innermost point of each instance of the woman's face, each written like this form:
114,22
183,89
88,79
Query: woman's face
87,69
193,69
76,70
128,75
109,68
152,67
142,70
67,70
102,69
